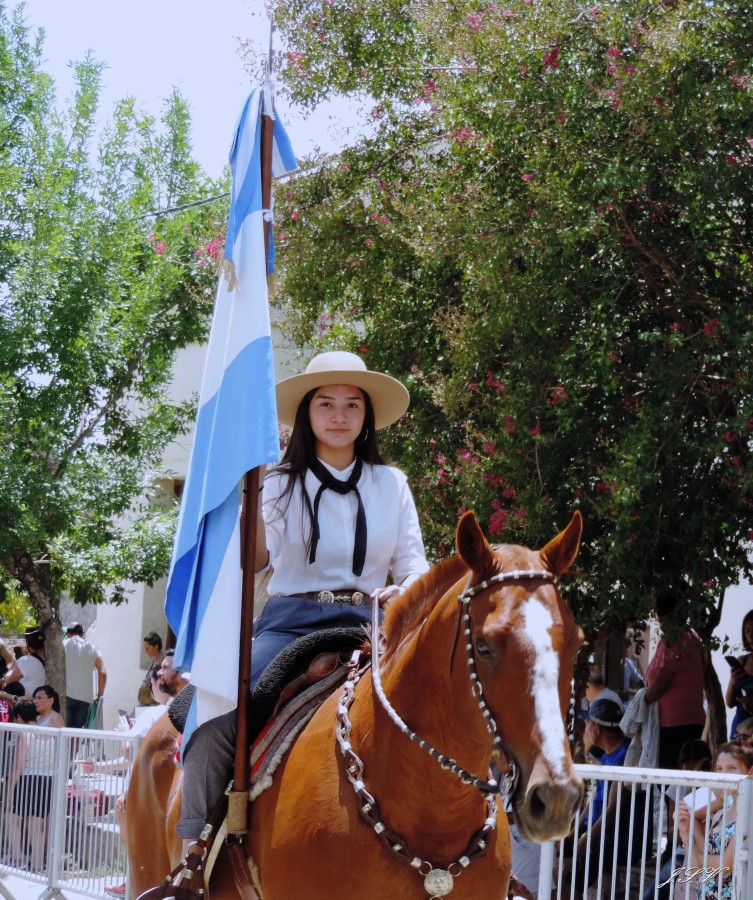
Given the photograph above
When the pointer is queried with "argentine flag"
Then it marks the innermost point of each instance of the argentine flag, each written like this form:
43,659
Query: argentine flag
236,430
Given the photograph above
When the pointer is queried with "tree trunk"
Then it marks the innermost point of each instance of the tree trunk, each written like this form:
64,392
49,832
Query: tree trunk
715,732
716,716
35,580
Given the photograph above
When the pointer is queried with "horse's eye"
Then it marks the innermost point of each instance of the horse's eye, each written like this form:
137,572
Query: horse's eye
482,648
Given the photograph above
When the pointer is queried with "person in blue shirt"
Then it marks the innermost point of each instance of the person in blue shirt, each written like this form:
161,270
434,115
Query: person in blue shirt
603,731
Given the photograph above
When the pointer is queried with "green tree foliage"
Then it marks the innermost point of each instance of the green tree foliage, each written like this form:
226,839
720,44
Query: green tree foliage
548,237
96,297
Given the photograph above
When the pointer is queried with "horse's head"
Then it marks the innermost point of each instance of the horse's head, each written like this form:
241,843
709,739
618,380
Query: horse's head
524,640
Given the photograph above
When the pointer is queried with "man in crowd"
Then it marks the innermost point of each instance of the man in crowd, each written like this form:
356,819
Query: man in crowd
82,660
603,731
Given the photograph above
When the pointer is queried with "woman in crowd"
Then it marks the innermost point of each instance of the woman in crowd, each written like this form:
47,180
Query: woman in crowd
153,649
28,669
711,858
741,679
337,521
29,789
675,679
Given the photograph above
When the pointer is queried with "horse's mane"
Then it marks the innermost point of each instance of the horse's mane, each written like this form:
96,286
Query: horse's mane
407,612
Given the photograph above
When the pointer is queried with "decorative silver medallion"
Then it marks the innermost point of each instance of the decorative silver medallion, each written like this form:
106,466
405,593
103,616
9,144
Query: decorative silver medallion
438,883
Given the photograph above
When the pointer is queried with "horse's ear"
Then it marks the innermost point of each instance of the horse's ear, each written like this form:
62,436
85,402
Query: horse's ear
472,545
560,553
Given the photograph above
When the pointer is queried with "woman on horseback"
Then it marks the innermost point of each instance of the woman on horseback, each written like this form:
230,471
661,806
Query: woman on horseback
337,523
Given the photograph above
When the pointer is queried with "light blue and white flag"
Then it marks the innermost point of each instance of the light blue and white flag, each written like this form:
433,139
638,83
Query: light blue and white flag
236,430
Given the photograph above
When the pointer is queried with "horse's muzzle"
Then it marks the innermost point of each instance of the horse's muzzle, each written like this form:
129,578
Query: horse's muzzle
548,808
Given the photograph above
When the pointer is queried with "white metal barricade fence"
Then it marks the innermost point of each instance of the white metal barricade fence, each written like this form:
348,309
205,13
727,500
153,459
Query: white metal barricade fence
59,788
641,856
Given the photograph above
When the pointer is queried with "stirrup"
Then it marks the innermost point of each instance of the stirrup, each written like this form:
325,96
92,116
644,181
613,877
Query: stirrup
186,881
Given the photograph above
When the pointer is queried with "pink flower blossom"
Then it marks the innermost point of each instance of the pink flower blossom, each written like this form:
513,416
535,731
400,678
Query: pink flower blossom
740,82
494,383
605,487
384,219
441,459
630,69
497,522
711,329
520,514
344,167
472,386
363,348
291,195
732,159
558,394
475,21
535,430
552,58
750,141
489,448
214,248
510,425
414,368
368,242
614,52
611,69
160,247
465,454
730,437
526,176
509,493
595,12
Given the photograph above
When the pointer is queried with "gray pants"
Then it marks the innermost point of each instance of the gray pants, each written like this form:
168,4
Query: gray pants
212,751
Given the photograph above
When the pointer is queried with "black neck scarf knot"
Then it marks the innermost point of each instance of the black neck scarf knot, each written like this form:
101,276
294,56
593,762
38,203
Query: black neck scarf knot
329,482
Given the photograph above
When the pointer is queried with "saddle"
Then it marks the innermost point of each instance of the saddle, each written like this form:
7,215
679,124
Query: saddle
315,658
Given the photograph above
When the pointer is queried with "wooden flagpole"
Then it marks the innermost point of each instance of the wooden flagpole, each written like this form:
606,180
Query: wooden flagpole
250,525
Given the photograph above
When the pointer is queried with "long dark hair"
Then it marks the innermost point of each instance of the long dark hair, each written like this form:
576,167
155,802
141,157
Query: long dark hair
746,619
301,451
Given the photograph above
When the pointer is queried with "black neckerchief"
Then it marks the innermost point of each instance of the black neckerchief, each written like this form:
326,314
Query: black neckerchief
329,482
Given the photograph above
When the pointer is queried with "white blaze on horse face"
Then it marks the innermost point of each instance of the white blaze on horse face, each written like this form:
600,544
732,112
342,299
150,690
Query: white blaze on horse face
545,684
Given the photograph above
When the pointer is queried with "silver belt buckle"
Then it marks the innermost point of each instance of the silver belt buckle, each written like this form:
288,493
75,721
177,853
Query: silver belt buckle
326,597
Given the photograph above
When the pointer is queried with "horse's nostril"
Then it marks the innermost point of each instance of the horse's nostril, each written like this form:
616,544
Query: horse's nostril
537,804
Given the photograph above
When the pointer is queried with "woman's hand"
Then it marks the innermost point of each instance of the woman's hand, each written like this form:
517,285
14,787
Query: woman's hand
382,595
683,816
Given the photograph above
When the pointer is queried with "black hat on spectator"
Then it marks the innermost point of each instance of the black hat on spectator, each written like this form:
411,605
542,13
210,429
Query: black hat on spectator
605,712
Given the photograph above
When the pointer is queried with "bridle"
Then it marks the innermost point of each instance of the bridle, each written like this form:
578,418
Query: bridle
438,882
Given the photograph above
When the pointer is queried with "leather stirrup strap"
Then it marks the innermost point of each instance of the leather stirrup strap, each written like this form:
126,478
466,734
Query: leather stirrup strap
186,881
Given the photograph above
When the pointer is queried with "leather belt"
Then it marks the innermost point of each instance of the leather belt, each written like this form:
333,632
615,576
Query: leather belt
354,598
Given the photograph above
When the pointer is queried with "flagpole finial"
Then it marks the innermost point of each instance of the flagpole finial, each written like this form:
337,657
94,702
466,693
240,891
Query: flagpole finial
269,105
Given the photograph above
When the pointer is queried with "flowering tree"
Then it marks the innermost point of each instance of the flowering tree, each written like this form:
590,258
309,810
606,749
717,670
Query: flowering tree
96,297
549,238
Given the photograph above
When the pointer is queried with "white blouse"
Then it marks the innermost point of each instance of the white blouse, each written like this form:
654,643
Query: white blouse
393,542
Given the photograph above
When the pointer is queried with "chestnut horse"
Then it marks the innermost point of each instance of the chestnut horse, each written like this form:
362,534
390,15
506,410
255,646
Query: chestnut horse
386,791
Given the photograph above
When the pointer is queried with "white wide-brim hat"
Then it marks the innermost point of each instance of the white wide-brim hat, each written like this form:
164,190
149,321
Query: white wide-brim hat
388,397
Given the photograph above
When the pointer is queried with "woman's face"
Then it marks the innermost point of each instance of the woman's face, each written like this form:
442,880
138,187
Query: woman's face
151,650
748,632
336,413
730,765
42,702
